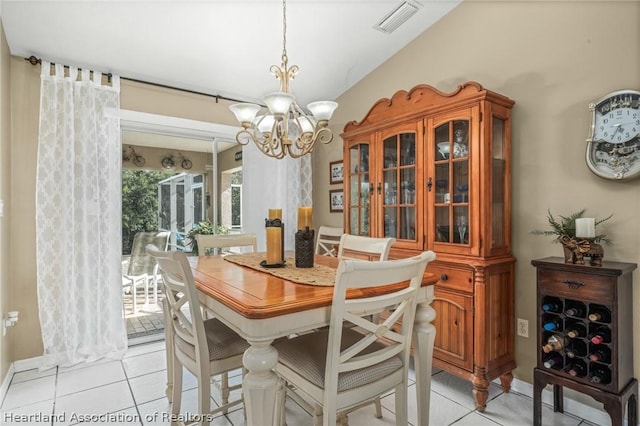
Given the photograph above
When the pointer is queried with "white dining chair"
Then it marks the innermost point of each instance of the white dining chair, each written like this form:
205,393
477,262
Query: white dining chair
361,248
340,368
227,241
204,347
326,238
364,248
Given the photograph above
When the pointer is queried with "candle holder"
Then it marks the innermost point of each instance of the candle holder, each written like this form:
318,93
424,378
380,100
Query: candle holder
274,223
304,247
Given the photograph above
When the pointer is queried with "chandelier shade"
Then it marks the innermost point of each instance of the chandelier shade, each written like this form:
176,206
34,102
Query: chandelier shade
283,128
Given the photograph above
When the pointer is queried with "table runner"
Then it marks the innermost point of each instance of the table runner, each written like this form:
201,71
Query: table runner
319,275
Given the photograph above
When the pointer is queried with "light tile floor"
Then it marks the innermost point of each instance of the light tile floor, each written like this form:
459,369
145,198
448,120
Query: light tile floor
132,390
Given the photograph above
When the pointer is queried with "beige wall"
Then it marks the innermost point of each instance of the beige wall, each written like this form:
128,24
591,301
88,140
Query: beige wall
25,99
5,180
552,58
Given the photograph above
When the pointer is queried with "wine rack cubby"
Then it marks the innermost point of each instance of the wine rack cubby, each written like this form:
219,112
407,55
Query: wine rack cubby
585,335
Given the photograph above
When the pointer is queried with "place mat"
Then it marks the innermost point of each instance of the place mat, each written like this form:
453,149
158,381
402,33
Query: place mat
319,275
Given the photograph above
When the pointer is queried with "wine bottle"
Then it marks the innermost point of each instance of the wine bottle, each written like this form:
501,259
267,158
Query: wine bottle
553,360
551,307
600,375
600,335
552,324
577,368
599,314
577,348
576,330
600,354
554,343
576,310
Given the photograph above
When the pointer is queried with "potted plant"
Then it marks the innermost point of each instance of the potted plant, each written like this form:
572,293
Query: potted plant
205,228
564,229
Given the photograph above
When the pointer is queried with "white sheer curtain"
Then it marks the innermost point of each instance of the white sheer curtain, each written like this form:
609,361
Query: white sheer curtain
270,183
78,218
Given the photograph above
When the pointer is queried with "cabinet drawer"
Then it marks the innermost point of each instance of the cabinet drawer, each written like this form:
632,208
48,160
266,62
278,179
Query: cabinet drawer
586,287
452,278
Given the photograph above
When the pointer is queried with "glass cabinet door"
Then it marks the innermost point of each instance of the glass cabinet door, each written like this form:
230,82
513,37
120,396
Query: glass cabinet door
358,214
399,186
499,190
451,160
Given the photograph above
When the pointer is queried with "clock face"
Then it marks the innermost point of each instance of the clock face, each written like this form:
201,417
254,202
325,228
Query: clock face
613,149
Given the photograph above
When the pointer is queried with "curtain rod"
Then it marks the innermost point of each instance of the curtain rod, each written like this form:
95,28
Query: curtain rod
37,61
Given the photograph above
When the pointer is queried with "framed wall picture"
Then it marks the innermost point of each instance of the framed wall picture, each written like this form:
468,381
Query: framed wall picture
335,200
336,172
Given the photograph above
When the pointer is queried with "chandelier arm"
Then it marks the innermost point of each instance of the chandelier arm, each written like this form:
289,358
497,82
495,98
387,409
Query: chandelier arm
245,133
323,135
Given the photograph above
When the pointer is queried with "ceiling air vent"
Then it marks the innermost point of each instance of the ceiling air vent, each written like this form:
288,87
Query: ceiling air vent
398,16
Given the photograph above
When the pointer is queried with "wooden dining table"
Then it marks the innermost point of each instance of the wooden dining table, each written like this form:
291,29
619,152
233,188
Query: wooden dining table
262,307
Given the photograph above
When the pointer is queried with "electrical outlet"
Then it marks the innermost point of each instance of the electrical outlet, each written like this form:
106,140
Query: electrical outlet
523,327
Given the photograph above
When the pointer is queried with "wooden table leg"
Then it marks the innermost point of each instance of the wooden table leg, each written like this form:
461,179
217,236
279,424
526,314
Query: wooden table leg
260,384
424,335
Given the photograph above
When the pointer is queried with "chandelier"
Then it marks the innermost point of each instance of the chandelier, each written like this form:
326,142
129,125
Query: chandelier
284,128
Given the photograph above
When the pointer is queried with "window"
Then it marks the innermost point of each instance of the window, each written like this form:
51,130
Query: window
231,199
181,206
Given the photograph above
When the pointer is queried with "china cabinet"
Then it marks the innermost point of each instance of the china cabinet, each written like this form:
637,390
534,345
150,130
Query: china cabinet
433,170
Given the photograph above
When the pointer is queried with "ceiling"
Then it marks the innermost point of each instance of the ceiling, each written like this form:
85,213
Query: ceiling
217,47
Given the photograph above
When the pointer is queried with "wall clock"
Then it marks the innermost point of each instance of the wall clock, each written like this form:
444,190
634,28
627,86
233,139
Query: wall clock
613,147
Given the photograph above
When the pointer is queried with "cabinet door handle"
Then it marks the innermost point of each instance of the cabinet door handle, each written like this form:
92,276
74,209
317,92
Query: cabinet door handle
379,188
444,277
573,284
429,184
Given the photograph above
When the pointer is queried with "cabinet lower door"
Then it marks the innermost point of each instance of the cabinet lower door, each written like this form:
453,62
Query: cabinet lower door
454,328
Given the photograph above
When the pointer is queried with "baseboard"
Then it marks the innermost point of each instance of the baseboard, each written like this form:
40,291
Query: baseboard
591,413
27,364
4,387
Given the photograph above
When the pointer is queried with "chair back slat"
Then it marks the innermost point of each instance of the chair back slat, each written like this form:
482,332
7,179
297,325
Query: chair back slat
225,242
364,248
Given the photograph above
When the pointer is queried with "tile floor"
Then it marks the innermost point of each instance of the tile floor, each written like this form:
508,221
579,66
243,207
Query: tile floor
131,390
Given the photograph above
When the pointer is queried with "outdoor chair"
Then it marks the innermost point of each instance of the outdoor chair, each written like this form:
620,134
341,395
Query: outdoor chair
142,269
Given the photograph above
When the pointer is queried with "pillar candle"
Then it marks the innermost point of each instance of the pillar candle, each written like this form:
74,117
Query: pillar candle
274,245
275,214
586,227
305,215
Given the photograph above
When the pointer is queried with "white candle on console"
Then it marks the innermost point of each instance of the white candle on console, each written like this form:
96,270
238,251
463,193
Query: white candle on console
586,227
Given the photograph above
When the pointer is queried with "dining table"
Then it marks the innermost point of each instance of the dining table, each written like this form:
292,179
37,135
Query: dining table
265,304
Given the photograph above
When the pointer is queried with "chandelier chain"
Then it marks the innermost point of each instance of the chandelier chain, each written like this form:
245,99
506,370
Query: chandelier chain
284,31
285,128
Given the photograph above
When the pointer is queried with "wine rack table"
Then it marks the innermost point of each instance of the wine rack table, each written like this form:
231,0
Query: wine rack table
585,335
